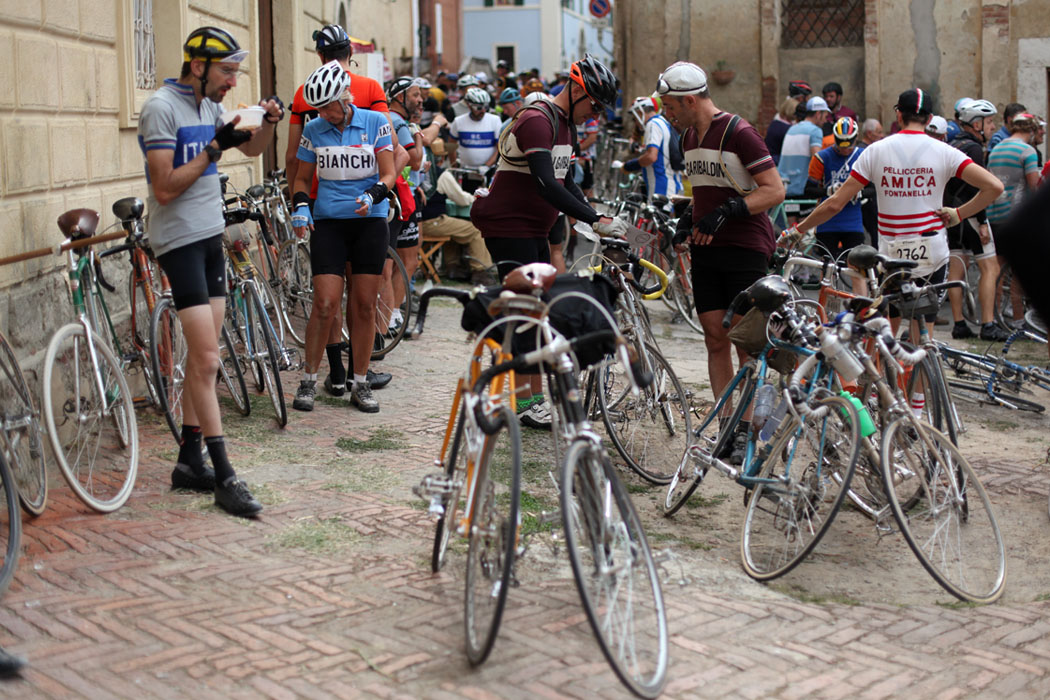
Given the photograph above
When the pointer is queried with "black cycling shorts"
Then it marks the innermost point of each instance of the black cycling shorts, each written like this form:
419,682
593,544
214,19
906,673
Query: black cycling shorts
970,240
848,239
409,235
509,253
360,242
720,273
395,227
196,272
556,236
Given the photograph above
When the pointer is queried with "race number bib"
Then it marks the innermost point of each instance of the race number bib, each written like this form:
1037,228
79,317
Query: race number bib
931,252
562,158
346,162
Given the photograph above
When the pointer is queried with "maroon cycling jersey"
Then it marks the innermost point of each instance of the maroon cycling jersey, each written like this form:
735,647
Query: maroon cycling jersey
745,155
514,207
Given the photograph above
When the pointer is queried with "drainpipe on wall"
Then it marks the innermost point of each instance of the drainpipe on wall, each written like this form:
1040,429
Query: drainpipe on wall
415,37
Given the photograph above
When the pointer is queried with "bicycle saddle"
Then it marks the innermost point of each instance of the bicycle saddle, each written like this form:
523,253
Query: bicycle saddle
78,223
256,191
660,200
863,258
128,209
534,278
893,264
769,293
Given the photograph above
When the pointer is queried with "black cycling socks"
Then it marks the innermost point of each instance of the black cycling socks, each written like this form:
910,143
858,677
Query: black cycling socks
190,451
219,461
335,363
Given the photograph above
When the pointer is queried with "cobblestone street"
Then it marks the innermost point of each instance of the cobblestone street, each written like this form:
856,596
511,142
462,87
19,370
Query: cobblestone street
329,593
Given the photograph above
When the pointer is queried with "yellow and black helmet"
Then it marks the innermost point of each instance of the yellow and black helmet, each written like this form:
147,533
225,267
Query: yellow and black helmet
212,44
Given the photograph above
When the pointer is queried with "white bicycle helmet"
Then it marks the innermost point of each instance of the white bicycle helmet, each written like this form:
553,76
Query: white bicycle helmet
326,85
478,97
536,97
681,78
978,109
467,81
641,105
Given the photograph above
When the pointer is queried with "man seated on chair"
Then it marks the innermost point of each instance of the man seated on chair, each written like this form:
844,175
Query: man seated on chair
444,195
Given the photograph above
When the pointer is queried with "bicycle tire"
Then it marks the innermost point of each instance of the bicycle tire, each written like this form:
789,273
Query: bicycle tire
72,406
293,268
707,440
168,352
1004,302
610,556
683,280
452,506
978,392
492,538
946,528
650,431
385,339
272,304
785,521
265,353
138,333
10,526
231,374
23,446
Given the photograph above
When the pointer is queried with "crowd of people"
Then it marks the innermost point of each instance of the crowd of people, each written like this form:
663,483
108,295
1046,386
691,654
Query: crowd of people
816,141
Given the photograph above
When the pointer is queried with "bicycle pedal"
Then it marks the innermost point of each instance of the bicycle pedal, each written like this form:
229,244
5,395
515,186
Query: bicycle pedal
434,485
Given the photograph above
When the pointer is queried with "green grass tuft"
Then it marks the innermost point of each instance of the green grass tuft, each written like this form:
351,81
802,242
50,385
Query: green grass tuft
317,536
378,439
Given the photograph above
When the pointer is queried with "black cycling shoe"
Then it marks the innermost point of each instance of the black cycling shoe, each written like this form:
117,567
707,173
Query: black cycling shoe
182,477
990,331
962,331
235,498
304,396
378,380
10,665
334,390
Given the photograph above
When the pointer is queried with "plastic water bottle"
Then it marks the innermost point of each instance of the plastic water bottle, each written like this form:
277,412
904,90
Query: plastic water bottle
840,357
773,421
764,398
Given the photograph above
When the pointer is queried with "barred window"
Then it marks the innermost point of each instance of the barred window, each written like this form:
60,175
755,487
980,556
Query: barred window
145,51
809,24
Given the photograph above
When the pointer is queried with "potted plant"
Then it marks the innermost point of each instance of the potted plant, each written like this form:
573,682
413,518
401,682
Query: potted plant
722,74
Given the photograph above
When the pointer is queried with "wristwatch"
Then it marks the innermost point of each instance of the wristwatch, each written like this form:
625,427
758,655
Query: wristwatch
213,153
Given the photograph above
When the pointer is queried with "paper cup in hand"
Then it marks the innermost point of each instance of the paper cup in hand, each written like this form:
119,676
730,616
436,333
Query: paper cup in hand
251,117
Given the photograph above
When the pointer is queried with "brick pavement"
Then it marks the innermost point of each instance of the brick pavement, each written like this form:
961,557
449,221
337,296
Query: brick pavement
168,597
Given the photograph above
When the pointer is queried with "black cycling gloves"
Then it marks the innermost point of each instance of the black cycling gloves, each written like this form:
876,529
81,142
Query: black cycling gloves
229,136
732,208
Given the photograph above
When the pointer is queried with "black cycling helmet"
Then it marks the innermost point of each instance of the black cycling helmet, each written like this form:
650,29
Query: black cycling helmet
330,38
769,293
597,81
398,85
799,88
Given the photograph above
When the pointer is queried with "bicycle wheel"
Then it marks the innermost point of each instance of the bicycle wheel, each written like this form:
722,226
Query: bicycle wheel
810,466
386,338
493,535
264,352
977,392
708,440
168,352
456,463
138,331
1006,296
231,374
94,435
951,529
22,441
651,431
683,283
272,304
297,287
614,570
10,526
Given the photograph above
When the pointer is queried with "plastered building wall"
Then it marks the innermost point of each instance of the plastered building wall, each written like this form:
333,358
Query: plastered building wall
952,48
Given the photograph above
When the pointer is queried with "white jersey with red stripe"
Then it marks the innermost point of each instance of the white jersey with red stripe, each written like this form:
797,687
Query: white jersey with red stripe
909,170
